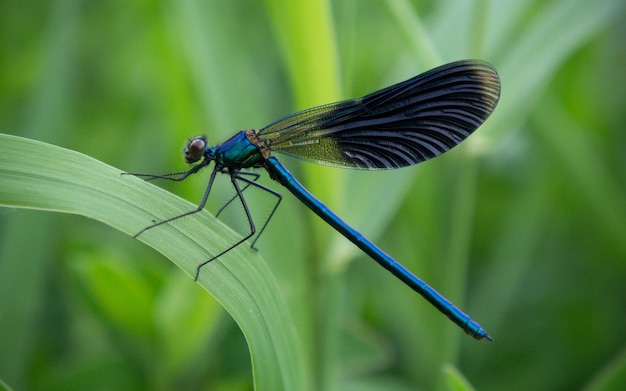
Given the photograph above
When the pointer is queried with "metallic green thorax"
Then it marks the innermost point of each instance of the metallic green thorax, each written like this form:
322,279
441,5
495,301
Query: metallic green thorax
240,151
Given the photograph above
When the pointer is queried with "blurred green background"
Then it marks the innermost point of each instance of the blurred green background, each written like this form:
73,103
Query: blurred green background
524,226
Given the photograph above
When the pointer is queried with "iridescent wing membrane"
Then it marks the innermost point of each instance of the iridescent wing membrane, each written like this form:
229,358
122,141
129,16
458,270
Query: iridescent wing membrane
398,126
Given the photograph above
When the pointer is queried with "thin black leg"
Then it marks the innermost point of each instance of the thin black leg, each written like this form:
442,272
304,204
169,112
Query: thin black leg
174,176
267,189
255,176
200,205
233,180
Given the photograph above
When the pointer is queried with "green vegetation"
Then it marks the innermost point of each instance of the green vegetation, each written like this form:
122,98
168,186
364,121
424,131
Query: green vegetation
523,226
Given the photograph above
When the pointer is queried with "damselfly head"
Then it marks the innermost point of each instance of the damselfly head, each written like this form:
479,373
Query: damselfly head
194,150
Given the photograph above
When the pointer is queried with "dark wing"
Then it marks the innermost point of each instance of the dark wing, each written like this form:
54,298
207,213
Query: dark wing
398,126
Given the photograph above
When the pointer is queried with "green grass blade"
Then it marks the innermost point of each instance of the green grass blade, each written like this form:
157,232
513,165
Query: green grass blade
611,377
4,387
36,175
455,380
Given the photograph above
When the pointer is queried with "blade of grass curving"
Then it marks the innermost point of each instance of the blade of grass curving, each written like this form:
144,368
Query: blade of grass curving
35,175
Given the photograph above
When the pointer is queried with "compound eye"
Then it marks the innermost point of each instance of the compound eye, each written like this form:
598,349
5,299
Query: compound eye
195,149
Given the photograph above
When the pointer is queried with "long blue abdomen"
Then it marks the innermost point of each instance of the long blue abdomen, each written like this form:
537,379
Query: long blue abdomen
283,176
